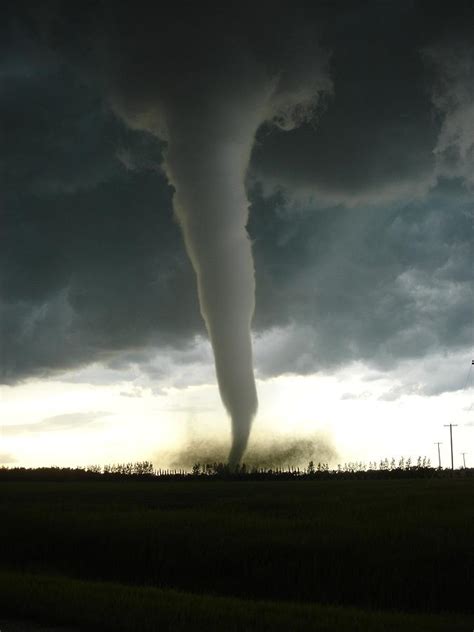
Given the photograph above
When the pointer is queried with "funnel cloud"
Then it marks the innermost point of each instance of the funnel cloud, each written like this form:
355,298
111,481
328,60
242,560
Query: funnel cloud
208,108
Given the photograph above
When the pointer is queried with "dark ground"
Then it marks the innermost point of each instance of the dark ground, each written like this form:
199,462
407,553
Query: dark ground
9,625
374,545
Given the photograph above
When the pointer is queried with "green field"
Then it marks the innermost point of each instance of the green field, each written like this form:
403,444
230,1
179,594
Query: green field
277,555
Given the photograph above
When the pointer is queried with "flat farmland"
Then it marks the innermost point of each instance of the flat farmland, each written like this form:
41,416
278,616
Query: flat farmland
239,555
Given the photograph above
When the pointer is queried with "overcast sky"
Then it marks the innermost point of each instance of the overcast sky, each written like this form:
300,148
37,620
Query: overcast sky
360,221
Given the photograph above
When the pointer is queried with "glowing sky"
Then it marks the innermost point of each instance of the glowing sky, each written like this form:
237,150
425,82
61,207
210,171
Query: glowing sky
98,416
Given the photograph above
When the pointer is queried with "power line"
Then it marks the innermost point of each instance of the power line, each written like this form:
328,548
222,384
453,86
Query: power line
451,426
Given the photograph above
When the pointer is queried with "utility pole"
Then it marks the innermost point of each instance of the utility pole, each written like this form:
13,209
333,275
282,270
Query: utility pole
451,426
464,459
438,443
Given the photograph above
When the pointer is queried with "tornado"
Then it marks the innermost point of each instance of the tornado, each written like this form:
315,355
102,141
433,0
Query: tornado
207,107
206,161
212,208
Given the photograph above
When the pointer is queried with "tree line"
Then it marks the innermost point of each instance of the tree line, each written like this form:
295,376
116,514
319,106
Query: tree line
145,470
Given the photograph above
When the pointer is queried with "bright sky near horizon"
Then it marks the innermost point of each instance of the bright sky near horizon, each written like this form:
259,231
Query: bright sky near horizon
358,412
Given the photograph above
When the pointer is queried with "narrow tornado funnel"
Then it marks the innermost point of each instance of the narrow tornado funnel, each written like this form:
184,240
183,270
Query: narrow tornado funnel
206,162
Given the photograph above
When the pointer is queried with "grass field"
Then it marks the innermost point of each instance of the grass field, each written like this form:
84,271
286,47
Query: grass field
319,555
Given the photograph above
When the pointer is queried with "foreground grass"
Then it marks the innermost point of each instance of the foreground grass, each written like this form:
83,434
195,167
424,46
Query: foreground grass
115,607
387,545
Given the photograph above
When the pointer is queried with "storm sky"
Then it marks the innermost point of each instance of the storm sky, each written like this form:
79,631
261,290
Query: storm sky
360,217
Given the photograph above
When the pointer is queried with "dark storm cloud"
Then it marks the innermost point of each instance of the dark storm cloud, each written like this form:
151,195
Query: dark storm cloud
91,259
378,138
453,98
374,141
361,253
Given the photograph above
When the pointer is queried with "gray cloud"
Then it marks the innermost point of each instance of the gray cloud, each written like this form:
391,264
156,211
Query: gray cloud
373,285
134,392
67,421
358,396
437,374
